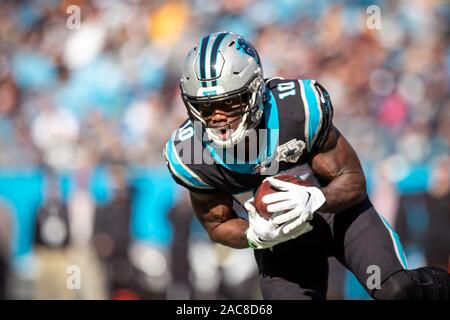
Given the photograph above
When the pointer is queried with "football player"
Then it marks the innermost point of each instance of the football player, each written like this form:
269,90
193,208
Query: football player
233,111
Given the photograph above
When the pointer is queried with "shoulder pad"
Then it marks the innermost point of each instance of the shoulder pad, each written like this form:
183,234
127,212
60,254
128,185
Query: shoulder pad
180,170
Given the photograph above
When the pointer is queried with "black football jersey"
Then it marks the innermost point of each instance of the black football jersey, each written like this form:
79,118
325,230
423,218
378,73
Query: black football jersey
296,120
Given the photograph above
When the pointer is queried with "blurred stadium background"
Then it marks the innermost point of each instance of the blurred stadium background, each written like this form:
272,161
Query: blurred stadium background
84,115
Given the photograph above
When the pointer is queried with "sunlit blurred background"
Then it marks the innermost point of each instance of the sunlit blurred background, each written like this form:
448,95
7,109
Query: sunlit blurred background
85,113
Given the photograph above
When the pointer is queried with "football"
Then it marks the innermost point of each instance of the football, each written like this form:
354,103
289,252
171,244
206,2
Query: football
266,188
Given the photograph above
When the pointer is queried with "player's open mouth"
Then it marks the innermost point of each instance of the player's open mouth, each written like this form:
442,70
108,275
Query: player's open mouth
223,133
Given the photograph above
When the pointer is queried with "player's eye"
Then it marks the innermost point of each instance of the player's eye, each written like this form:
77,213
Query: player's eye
229,102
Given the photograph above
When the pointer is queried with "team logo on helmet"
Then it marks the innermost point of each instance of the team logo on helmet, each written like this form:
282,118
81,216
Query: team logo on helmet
245,47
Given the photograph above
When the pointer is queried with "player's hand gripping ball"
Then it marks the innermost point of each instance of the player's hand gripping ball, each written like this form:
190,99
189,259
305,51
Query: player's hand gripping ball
266,188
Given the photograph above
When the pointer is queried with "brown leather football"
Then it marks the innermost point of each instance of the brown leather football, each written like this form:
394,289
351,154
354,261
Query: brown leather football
267,188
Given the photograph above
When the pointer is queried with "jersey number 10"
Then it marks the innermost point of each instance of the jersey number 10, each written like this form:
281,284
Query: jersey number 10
286,89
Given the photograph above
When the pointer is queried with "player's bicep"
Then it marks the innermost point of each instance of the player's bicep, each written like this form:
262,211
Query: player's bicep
212,210
335,157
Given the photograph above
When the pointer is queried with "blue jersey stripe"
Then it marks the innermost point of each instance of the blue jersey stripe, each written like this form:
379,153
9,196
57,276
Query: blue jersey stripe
180,170
272,124
396,241
313,106
246,168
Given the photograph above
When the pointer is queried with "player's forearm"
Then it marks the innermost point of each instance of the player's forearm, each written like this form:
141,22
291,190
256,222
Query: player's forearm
344,192
231,233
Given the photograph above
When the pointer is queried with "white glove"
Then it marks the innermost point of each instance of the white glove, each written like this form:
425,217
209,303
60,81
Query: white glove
300,200
262,233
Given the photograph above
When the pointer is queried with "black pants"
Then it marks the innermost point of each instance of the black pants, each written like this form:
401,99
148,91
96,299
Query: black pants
358,237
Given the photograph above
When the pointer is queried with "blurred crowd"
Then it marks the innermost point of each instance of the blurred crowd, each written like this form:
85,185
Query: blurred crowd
85,112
